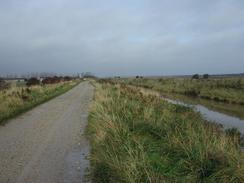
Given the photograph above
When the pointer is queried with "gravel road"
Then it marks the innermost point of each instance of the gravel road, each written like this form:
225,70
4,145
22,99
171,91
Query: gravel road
47,144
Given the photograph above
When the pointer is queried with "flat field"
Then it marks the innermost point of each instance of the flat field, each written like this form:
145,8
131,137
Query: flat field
229,90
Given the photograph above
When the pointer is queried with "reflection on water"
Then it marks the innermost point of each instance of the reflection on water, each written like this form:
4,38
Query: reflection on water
229,115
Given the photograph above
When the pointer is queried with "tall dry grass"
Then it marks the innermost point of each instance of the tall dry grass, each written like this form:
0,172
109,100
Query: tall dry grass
16,100
138,137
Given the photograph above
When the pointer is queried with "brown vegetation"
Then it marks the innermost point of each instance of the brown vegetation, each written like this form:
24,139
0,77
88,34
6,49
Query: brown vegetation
32,81
4,84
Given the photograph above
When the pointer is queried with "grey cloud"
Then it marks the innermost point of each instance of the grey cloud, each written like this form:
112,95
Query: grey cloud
122,37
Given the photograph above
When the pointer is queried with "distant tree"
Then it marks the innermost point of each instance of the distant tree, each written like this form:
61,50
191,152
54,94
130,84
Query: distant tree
195,76
88,75
51,80
4,84
32,81
67,78
137,76
205,76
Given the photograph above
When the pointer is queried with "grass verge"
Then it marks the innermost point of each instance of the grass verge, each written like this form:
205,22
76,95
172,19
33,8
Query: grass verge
137,137
21,99
230,90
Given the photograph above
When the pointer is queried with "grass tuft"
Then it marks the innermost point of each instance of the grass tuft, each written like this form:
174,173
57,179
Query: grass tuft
138,137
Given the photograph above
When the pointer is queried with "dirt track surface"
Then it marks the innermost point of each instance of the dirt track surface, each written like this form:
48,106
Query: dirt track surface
47,144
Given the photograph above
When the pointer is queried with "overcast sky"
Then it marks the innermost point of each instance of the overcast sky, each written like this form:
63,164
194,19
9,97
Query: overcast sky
122,37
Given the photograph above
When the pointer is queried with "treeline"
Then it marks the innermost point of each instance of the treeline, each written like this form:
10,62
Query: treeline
4,84
44,75
48,80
